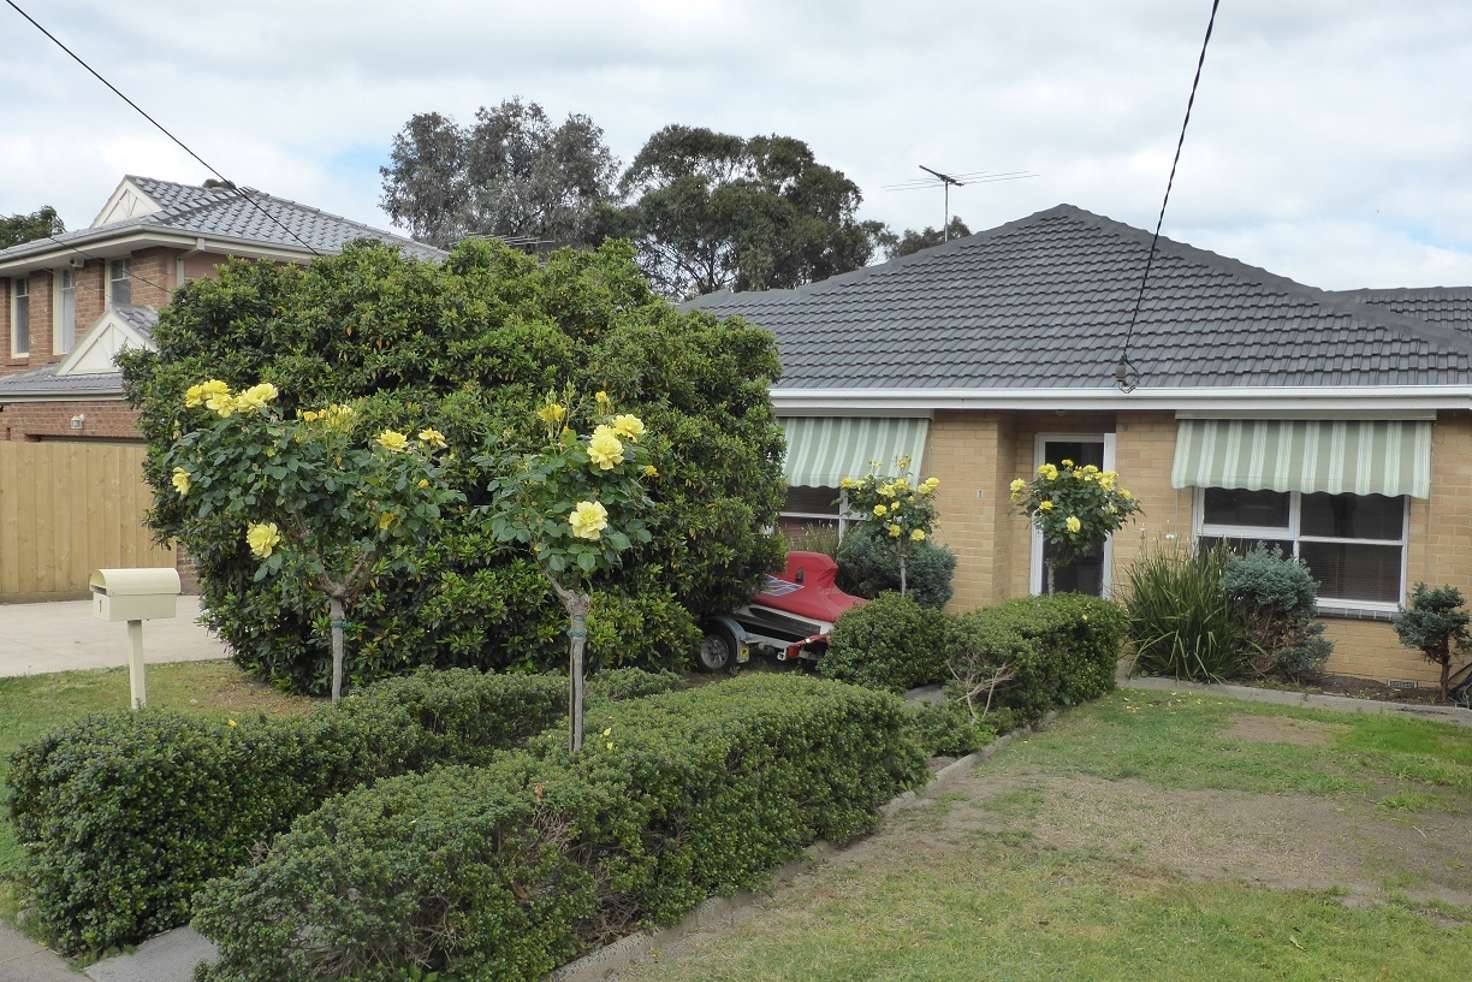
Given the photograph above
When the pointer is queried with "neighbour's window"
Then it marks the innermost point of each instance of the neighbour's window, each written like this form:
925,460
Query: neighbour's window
1353,544
810,512
20,317
66,313
120,282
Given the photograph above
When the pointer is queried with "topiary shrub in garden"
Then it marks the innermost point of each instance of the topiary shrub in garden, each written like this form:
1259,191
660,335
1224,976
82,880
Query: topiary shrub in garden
471,345
890,643
1435,624
123,816
868,566
506,871
1059,649
1275,598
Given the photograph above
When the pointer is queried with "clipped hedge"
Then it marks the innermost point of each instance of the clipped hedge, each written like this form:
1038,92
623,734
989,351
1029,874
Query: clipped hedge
125,815
508,870
1063,648
890,643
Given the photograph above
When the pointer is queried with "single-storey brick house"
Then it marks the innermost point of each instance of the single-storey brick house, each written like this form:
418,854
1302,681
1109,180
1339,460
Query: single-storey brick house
1338,425
68,304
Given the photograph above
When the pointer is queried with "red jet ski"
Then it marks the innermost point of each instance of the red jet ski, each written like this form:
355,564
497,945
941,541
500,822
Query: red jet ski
790,616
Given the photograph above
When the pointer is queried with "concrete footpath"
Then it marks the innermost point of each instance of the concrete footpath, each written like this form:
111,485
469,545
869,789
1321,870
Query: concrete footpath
23,960
59,637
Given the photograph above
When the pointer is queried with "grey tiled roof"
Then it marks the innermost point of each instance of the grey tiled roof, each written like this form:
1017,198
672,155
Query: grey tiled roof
1450,306
1044,302
140,319
193,210
45,382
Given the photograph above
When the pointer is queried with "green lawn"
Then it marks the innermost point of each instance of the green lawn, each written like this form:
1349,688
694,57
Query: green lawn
31,706
1147,836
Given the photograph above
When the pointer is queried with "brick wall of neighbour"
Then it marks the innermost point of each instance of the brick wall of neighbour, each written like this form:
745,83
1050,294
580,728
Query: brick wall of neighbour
153,276
110,420
976,454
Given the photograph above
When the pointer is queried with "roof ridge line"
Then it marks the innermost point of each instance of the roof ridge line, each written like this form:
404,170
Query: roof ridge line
1424,330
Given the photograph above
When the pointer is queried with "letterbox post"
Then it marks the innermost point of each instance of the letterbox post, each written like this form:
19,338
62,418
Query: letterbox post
136,688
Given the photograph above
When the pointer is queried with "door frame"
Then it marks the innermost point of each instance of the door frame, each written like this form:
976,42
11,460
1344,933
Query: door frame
1035,572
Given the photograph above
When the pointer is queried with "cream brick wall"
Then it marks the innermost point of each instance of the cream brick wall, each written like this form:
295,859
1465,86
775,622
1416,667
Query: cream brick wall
976,454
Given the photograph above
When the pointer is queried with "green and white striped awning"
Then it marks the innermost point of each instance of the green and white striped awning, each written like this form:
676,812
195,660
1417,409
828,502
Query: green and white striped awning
1390,457
823,450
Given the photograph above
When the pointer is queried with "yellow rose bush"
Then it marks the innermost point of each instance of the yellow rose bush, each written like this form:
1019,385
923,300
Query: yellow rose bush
575,505
1075,508
312,500
903,507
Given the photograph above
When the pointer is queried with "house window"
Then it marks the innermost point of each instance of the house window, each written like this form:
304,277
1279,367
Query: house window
65,334
808,508
1353,544
120,282
20,317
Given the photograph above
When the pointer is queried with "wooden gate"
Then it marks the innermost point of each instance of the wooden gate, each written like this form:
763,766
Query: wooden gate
67,508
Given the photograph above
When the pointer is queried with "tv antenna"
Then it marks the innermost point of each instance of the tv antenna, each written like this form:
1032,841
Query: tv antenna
947,181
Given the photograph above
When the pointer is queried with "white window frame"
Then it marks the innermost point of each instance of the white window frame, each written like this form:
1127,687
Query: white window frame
107,278
16,284
1036,573
843,516
1291,532
58,309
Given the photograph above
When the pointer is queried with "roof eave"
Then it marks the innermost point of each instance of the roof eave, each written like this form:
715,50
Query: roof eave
1372,398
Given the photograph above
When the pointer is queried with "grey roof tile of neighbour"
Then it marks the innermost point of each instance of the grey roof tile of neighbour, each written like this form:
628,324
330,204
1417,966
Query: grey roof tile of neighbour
202,211
1450,306
45,381
140,319
1044,302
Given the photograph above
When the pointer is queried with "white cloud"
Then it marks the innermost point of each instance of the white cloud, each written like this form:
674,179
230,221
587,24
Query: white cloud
1326,143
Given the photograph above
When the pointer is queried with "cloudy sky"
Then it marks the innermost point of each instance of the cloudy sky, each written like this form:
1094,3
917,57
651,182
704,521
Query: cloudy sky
1331,141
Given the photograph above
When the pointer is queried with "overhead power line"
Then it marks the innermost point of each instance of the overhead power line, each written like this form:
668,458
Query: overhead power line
228,184
1124,374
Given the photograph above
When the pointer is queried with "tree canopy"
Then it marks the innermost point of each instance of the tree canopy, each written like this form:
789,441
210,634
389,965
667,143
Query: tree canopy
911,241
511,173
15,229
472,345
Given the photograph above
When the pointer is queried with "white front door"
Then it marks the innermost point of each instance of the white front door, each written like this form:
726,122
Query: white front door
1089,575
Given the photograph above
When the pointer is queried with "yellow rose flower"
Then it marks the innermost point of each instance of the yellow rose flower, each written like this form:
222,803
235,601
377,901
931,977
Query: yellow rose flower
880,511
588,520
423,483
221,403
337,416
1066,462
929,485
393,441
628,426
197,395
847,483
602,399
1125,494
1072,523
1090,469
651,471
181,481
1049,472
262,537
552,414
431,437
605,449
254,399
1017,485
894,531
1045,506
385,520
917,535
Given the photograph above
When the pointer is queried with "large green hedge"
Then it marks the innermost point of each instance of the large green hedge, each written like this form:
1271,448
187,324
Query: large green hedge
123,816
506,871
1061,648
471,345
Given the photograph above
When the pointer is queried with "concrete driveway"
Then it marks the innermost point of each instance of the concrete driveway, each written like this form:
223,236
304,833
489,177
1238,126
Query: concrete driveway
59,637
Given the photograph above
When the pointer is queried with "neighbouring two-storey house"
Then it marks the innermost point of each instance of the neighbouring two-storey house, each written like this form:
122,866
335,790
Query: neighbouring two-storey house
70,487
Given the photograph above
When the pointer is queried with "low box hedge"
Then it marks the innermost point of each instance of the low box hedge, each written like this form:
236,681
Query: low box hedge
508,870
123,816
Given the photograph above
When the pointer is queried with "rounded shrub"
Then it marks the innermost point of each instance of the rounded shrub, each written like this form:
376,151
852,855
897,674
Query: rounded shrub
1275,597
889,643
868,566
470,346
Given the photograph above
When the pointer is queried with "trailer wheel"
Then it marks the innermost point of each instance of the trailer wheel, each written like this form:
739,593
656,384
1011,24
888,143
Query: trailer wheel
717,650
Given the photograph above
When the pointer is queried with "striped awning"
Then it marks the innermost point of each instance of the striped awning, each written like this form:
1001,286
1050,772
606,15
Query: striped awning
1390,457
823,450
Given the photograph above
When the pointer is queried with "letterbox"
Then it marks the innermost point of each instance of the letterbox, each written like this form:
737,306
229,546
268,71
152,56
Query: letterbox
134,594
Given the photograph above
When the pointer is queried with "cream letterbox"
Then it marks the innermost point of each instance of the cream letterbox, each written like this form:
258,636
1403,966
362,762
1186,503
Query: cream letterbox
134,594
